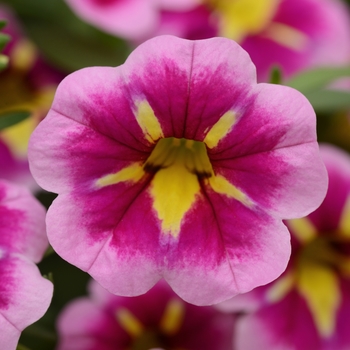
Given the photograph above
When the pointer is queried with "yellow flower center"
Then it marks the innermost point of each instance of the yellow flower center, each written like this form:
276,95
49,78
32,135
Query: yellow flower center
179,167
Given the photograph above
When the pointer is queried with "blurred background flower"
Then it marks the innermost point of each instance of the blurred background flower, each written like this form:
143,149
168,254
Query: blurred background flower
157,319
292,34
27,87
309,305
24,294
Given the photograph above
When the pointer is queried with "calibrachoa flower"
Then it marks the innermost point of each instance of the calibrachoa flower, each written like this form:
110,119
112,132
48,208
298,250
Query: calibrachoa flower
308,307
24,294
293,34
28,84
157,319
131,19
301,34
177,165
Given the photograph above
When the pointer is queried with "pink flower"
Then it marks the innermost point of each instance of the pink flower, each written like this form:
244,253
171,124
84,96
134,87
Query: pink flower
130,19
157,319
293,34
24,294
28,84
308,307
302,34
177,165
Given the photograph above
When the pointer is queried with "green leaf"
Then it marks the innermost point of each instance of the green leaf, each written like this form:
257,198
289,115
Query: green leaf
21,347
49,251
328,101
49,276
318,78
12,118
4,39
276,75
3,23
65,40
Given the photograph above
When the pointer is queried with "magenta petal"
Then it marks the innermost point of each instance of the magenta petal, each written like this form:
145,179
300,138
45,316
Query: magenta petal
132,19
200,81
24,297
22,222
92,324
326,217
118,232
211,254
261,156
284,325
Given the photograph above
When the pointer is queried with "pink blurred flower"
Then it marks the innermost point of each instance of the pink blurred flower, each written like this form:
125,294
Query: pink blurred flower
308,307
177,165
28,84
24,294
131,19
302,34
293,34
157,319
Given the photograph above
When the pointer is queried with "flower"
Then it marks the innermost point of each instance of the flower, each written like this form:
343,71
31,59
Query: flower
292,34
157,319
28,84
24,294
177,165
302,34
135,20
308,307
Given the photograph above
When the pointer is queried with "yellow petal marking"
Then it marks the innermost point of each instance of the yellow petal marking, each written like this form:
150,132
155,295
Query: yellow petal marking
176,164
286,36
344,223
220,129
148,122
319,286
174,191
281,287
220,185
240,18
129,322
133,173
173,317
303,229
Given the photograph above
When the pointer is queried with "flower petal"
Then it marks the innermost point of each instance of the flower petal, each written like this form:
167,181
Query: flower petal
261,155
22,222
24,297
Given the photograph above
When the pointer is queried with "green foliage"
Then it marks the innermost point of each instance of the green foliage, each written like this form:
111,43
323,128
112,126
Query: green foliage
314,84
328,101
12,118
65,40
275,75
318,78
4,39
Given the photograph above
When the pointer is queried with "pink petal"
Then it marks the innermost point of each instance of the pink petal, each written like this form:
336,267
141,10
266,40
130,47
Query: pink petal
22,222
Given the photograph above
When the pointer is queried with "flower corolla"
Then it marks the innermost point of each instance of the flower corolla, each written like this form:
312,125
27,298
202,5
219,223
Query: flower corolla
24,294
308,306
177,165
157,319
